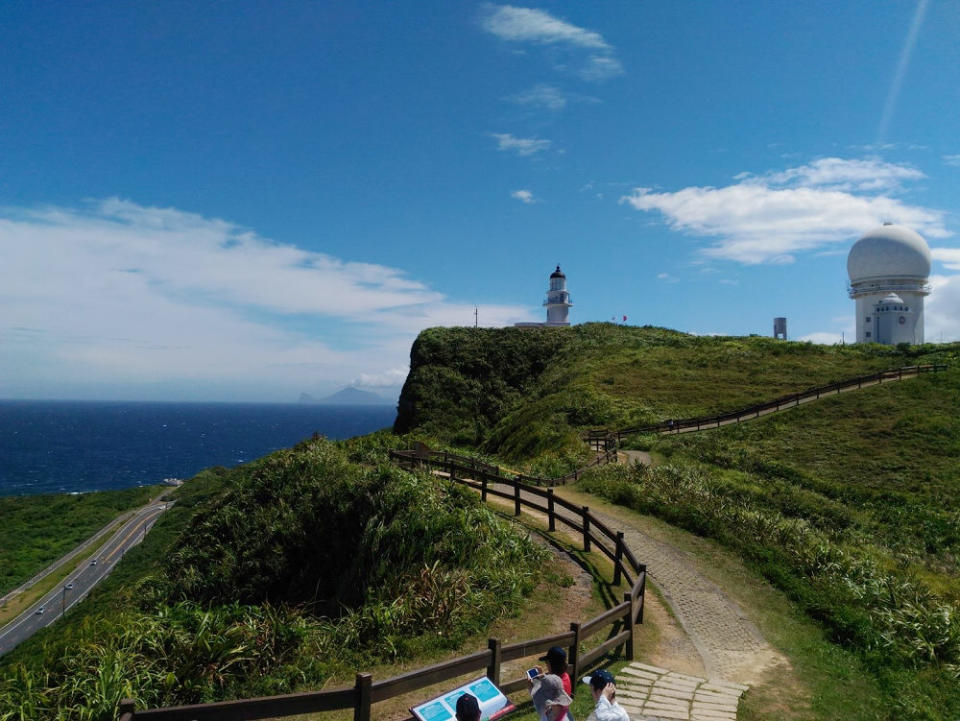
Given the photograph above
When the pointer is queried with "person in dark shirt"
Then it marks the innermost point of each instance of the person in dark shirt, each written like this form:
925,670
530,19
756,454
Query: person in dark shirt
468,708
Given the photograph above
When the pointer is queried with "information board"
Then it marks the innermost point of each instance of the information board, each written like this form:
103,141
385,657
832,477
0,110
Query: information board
493,703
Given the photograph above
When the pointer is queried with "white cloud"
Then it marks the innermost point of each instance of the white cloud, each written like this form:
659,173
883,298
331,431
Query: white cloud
520,146
524,196
821,338
903,64
528,25
147,295
541,96
941,313
952,160
867,174
601,67
950,257
386,379
667,278
767,219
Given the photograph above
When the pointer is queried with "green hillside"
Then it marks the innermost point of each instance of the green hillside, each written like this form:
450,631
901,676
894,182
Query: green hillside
273,577
851,504
37,530
521,393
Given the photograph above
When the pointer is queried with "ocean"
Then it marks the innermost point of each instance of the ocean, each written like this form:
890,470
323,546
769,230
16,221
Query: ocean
80,446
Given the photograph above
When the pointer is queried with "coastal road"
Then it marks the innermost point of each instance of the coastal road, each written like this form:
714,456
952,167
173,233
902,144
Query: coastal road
77,585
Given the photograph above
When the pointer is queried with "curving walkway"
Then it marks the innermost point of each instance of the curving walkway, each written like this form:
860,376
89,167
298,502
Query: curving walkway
729,644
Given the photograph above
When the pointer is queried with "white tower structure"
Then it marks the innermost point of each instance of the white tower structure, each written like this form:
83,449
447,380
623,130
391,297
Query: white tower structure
888,269
558,300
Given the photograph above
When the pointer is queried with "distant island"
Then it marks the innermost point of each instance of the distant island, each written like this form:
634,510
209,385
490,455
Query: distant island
348,397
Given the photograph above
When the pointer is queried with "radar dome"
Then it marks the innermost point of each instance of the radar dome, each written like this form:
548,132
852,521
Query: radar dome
890,251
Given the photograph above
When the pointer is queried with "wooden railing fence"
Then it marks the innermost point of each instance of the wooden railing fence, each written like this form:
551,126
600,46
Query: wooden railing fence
621,620
469,467
605,437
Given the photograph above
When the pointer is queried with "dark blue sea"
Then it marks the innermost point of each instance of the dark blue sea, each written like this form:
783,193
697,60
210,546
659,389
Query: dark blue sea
78,446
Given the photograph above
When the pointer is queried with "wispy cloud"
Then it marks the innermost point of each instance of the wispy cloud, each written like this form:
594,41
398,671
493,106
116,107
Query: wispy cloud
866,174
538,27
950,257
941,313
521,146
385,379
601,67
524,196
903,64
953,160
148,295
769,218
822,338
529,25
541,96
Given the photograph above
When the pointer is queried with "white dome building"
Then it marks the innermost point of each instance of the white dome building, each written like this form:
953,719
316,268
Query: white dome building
888,269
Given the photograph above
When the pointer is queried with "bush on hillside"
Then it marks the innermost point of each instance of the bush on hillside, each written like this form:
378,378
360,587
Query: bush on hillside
401,563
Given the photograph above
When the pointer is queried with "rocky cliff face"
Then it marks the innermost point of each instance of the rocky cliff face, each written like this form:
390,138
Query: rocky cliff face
463,381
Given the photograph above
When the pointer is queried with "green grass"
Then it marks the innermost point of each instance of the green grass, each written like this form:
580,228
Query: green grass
37,530
412,566
526,395
850,504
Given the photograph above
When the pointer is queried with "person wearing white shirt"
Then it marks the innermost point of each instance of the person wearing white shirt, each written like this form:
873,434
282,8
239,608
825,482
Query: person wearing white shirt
604,690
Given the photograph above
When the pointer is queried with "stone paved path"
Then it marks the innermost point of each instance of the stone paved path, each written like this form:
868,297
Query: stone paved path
729,644
651,693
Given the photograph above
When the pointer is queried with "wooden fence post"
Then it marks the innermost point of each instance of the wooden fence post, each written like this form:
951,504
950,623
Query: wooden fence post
493,670
483,488
551,516
126,709
618,560
573,658
643,591
586,529
363,686
628,625
516,496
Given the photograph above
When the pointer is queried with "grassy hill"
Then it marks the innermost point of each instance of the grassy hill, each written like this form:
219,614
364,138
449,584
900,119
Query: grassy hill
524,393
274,576
851,505
37,530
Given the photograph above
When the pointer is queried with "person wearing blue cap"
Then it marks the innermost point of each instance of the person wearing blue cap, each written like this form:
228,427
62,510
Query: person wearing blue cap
604,690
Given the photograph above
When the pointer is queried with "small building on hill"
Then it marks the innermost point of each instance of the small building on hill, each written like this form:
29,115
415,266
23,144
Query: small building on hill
558,303
888,268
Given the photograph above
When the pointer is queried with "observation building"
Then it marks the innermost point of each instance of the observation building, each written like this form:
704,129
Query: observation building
558,303
888,268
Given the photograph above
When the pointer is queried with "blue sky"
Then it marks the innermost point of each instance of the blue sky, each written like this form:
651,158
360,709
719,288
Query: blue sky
243,201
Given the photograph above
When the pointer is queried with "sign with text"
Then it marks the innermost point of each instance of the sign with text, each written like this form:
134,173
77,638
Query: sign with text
493,703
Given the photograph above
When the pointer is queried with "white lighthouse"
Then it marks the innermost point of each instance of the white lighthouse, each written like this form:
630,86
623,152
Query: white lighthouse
558,299
558,303
888,269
